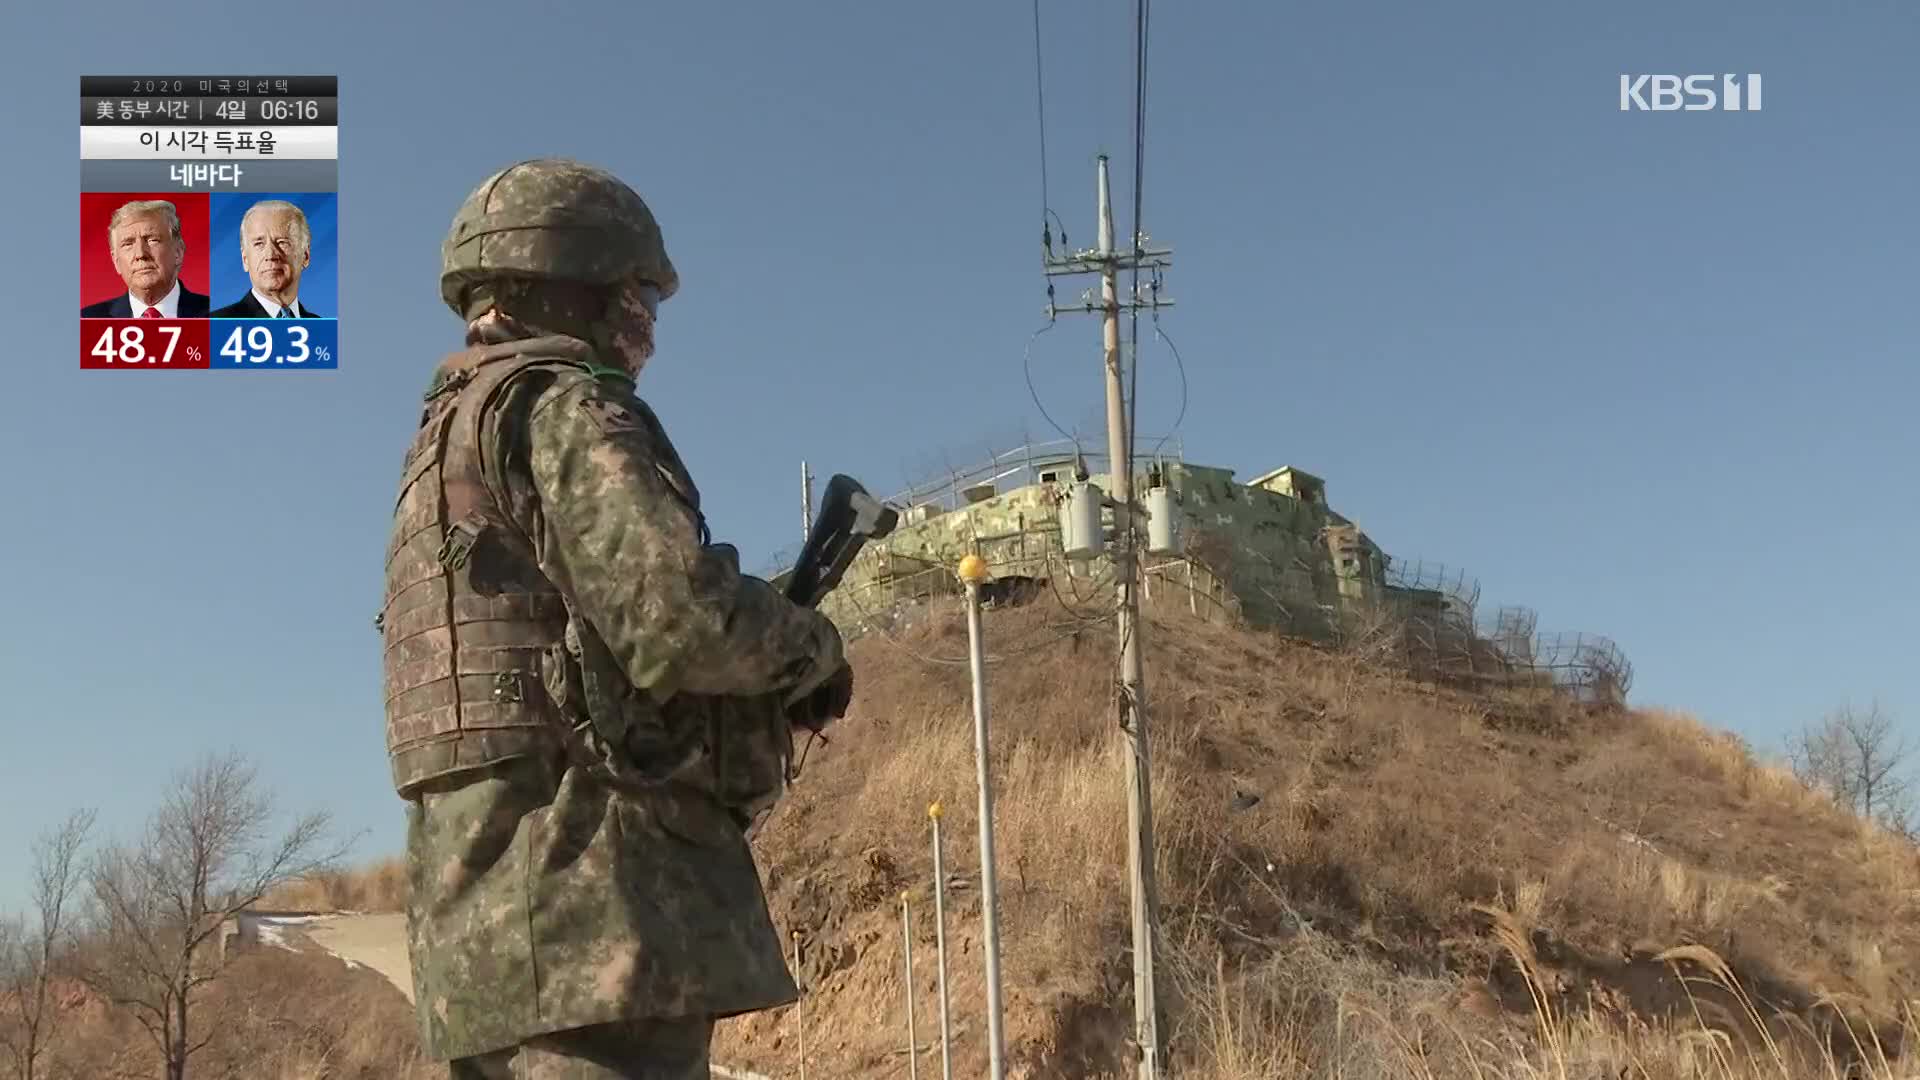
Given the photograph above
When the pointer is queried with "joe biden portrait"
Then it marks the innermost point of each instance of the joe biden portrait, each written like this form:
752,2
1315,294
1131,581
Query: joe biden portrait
275,248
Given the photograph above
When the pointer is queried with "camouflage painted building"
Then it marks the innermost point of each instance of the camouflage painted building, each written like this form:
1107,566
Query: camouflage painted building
1272,551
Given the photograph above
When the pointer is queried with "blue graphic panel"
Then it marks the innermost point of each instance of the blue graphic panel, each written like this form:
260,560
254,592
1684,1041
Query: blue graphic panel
275,344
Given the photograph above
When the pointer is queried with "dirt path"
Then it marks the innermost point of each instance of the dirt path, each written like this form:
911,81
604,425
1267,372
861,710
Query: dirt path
375,941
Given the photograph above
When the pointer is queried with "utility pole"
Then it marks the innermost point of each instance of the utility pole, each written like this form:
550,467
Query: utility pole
1107,262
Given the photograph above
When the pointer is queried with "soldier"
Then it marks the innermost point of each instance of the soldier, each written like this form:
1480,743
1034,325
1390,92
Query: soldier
587,703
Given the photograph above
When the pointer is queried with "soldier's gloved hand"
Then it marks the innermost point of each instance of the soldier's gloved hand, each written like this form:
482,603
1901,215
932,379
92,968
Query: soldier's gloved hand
827,703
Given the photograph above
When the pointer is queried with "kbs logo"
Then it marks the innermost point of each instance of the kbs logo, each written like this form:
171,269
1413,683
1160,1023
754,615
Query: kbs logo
1694,93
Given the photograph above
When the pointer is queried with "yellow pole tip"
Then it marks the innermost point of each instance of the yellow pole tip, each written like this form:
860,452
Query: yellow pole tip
905,895
933,811
973,569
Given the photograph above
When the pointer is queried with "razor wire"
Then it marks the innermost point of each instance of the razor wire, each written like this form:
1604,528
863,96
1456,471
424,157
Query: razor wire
947,488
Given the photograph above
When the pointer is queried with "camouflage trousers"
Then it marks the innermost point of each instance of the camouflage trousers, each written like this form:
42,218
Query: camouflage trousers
634,1050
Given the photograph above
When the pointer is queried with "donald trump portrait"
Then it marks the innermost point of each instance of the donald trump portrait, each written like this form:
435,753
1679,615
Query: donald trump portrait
148,250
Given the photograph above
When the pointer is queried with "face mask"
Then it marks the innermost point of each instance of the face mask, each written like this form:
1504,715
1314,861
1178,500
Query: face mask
632,325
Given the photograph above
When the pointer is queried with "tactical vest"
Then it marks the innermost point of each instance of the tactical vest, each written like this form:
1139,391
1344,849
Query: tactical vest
467,615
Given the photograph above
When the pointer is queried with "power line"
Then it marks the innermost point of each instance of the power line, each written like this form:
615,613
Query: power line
1027,364
1108,260
1181,366
1146,1005
1139,193
1040,99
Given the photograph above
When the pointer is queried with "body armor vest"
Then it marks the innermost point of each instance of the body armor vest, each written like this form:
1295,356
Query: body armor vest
467,615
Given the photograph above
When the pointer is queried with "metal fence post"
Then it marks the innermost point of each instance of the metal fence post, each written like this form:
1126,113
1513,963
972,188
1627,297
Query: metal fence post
940,941
973,571
799,1018
906,936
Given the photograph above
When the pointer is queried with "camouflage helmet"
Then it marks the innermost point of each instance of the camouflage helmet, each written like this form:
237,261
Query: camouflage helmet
557,219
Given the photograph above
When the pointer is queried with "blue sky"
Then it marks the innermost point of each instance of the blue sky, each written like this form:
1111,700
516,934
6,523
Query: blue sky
1650,374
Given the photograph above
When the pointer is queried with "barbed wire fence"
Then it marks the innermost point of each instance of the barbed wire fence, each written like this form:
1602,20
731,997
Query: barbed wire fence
1026,464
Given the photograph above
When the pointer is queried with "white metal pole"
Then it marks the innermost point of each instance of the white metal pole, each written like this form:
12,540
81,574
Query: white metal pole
973,570
799,1019
906,936
940,941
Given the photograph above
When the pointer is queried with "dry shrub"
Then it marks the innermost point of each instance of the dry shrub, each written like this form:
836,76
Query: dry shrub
275,1015
1695,751
1642,894
1313,1008
380,886
301,1017
1316,1010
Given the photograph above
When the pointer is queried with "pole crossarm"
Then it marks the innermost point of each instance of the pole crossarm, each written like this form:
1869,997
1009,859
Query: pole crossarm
1090,307
1093,262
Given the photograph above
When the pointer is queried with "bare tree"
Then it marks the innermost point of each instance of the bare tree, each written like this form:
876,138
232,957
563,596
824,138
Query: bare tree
31,949
1857,757
15,995
205,855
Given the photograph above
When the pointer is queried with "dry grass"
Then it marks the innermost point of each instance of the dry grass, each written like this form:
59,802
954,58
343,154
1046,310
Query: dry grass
1429,885
276,1015
380,886
1390,818
1352,1023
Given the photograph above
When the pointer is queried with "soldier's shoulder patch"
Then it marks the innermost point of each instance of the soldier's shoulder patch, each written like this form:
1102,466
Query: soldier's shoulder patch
612,417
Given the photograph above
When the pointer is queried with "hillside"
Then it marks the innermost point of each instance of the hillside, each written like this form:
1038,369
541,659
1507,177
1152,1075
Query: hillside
1407,843
277,1014
1360,875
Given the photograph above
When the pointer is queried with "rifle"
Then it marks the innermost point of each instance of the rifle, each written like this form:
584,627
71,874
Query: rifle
848,518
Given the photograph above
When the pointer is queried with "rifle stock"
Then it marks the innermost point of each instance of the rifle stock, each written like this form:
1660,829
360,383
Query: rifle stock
848,519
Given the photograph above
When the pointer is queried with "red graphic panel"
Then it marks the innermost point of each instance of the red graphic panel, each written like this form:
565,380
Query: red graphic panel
101,281
144,344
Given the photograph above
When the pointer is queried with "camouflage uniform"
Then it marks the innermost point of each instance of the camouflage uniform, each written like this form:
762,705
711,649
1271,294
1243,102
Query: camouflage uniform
587,702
